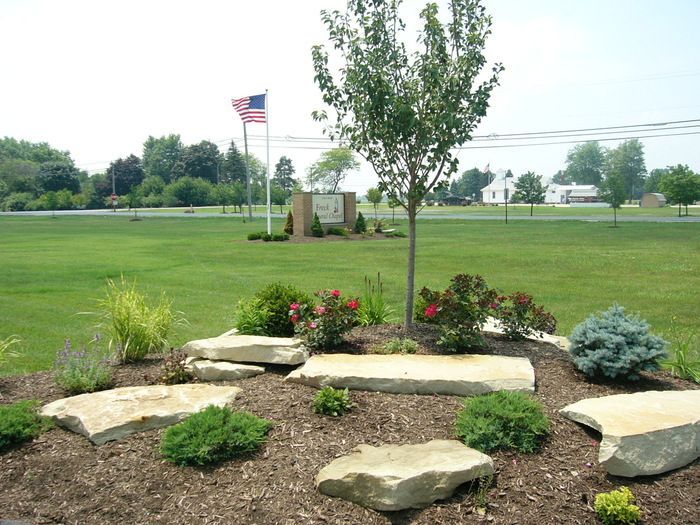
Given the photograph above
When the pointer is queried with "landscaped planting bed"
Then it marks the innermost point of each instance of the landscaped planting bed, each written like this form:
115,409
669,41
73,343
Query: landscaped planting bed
61,477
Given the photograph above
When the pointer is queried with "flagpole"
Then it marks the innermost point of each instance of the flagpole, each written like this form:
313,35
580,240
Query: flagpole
267,131
247,173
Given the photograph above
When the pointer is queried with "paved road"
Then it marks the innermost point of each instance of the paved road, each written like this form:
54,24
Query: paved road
424,215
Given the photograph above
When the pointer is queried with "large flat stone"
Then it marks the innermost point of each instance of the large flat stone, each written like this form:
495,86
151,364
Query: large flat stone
644,433
207,370
112,414
249,349
462,375
395,477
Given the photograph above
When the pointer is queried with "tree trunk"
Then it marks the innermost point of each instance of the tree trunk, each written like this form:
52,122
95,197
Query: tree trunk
531,206
410,274
679,209
614,217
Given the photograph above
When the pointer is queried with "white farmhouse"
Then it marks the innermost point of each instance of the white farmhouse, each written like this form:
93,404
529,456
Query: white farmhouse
503,186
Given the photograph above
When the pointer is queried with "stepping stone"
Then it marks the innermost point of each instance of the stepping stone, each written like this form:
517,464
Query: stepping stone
644,433
112,414
493,326
249,349
206,370
395,477
460,375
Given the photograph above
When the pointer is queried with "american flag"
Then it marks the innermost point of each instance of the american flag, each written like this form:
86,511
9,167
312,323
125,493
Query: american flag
487,168
251,109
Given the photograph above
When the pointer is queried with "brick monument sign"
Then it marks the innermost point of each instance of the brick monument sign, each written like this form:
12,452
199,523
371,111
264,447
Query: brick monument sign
333,209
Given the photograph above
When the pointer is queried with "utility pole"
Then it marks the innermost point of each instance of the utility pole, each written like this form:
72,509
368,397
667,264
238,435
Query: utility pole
114,193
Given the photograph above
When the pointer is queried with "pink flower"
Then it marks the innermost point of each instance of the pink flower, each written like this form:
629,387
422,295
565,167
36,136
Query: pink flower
353,305
294,306
335,293
320,310
295,318
431,311
494,305
312,325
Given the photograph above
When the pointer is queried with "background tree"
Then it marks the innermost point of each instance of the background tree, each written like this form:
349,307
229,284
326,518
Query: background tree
392,202
680,186
284,174
613,192
278,195
160,156
330,170
233,166
402,111
198,161
37,152
561,178
585,163
225,195
529,189
127,173
628,161
59,175
189,191
375,196
20,176
470,184
651,183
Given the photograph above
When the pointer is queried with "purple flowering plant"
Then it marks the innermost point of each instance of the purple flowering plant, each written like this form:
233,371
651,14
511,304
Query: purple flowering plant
82,370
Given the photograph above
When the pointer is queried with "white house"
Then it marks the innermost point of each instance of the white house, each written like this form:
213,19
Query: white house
556,193
500,185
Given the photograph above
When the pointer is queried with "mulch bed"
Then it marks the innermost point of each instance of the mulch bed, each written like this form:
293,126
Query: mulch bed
61,477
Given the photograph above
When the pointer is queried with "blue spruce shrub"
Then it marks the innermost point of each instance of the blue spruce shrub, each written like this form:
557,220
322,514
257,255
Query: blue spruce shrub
616,345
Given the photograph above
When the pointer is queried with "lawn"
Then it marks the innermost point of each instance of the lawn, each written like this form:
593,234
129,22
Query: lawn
55,268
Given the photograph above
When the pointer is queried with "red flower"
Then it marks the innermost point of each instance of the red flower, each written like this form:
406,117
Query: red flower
294,306
335,293
494,305
353,305
295,318
431,311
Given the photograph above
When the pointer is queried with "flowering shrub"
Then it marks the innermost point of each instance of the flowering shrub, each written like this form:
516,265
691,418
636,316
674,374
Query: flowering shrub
323,326
519,316
460,311
84,370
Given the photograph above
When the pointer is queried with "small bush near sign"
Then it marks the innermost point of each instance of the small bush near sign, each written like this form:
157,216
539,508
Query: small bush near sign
316,228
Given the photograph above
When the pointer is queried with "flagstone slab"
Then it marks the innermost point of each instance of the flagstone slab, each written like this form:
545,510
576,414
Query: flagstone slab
207,370
395,477
461,375
493,326
644,433
249,349
112,414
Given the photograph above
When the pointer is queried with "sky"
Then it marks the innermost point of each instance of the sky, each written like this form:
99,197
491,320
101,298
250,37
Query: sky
97,78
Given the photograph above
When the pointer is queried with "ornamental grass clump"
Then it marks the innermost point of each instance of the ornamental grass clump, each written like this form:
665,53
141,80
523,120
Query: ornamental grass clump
373,309
136,329
322,327
617,507
84,370
616,346
5,345
397,345
213,435
502,420
21,422
332,402
685,349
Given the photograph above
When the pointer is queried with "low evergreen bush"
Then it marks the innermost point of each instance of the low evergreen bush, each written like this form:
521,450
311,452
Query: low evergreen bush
289,224
502,420
279,237
617,507
213,435
616,346
316,228
332,402
337,230
266,237
20,422
277,298
360,223
254,236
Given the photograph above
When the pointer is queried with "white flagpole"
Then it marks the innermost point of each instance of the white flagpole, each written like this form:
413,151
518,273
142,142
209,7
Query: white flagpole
267,131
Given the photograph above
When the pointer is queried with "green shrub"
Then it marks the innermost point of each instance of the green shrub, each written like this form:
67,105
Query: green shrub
332,402
5,345
20,422
616,507
396,234
84,370
316,228
254,236
252,317
337,230
616,345
136,329
502,420
373,309
277,298
173,370
398,345
686,353
289,224
360,224
278,237
519,316
322,327
215,434
266,237
460,311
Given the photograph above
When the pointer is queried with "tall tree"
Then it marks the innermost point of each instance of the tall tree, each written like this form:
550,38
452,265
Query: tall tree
31,151
160,156
199,161
529,189
59,175
628,161
402,111
613,192
560,177
330,170
233,166
278,195
20,176
651,183
375,196
284,174
585,163
127,173
470,183
681,186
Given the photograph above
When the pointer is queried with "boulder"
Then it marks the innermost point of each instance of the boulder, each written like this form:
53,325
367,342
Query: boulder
249,349
644,433
461,375
206,370
112,414
395,477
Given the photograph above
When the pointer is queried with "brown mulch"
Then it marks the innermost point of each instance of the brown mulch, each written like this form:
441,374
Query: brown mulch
61,477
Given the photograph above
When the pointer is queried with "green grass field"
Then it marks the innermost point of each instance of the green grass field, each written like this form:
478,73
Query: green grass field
54,268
